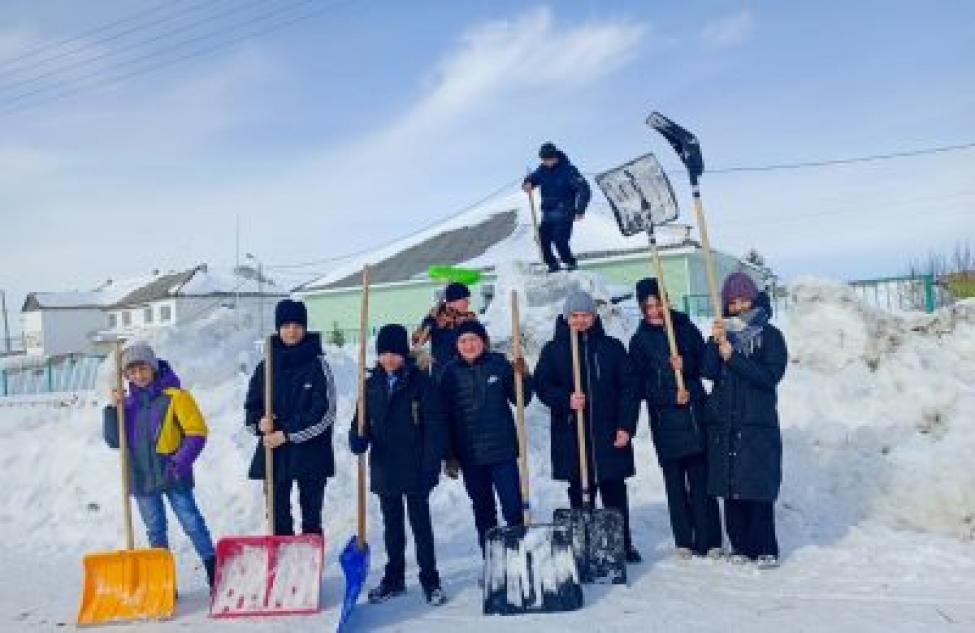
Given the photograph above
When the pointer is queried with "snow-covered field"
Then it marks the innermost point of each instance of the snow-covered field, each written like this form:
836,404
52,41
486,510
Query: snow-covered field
876,518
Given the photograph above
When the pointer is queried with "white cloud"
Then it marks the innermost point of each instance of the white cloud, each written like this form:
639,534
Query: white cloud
729,30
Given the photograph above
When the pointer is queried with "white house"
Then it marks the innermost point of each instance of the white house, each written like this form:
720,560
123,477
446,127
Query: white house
57,323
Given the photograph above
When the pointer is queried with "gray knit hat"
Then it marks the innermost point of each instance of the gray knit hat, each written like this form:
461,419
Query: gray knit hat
139,352
578,301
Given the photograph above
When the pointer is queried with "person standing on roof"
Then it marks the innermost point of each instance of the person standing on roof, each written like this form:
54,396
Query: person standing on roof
565,196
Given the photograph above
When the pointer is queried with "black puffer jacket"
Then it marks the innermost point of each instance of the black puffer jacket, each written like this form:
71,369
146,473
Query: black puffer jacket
477,398
304,406
744,440
677,430
406,430
612,402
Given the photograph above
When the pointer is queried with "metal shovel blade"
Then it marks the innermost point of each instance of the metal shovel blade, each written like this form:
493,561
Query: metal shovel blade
597,540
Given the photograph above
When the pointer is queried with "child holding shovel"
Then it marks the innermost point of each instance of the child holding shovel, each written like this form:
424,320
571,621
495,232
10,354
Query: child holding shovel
301,429
405,434
165,433
678,420
746,358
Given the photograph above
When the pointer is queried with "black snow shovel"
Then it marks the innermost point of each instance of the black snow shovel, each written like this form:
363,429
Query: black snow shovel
597,535
528,568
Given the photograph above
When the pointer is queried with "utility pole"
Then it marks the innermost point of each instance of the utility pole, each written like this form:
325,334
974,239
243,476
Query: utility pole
237,268
6,324
260,291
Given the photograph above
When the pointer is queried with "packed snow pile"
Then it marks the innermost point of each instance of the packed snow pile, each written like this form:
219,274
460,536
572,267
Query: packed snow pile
878,416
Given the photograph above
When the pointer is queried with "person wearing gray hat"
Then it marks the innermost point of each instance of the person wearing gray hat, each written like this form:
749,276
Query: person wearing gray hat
610,399
136,352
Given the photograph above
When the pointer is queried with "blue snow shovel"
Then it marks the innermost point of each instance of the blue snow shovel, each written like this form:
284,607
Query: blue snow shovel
355,557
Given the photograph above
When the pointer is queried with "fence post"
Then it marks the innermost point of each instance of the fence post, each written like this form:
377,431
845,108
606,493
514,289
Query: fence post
3,380
50,376
686,304
928,293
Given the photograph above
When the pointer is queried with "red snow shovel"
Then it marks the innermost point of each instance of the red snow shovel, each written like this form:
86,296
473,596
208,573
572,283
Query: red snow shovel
267,575
528,568
597,535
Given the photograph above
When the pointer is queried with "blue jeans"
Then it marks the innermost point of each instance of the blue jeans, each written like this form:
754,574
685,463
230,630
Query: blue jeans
153,513
481,483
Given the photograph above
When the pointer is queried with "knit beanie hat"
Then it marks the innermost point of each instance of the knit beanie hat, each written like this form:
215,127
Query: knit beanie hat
393,338
548,150
578,301
290,311
646,288
472,327
738,286
136,352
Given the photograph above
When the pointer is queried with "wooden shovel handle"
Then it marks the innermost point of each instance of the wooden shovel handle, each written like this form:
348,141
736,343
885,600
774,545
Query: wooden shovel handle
123,447
520,409
665,304
361,413
268,451
702,229
580,418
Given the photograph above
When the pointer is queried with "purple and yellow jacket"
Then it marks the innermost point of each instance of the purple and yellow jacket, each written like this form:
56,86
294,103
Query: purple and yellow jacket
165,432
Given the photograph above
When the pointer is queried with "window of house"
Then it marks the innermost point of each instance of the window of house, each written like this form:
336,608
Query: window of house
147,315
165,314
113,320
127,318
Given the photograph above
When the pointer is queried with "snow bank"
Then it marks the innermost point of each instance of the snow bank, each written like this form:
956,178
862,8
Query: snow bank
877,415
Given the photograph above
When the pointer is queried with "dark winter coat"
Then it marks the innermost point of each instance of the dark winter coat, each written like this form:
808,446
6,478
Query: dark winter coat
304,406
612,402
744,440
477,398
565,192
443,343
677,430
406,431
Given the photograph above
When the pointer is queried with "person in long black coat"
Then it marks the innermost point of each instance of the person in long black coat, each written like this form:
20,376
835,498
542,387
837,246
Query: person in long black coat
610,399
746,358
678,420
406,435
300,431
477,390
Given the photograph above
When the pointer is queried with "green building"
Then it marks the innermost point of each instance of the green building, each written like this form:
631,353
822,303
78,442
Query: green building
401,292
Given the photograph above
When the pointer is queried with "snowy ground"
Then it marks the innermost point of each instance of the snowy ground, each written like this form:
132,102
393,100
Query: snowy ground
876,517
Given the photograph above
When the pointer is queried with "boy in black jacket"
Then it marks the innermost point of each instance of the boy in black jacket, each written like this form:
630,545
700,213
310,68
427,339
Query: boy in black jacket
476,390
300,431
405,429
678,421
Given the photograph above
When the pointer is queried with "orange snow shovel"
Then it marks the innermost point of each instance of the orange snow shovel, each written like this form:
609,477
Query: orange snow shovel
129,584
267,575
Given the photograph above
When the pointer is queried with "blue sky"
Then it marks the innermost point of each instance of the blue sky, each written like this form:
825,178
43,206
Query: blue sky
373,118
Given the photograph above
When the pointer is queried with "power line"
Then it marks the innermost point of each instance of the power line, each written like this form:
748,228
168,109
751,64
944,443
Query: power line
164,64
826,162
325,260
736,169
844,161
56,45
148,56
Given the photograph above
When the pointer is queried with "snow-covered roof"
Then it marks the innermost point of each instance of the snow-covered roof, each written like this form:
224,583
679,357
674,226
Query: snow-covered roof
460,240
199,281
